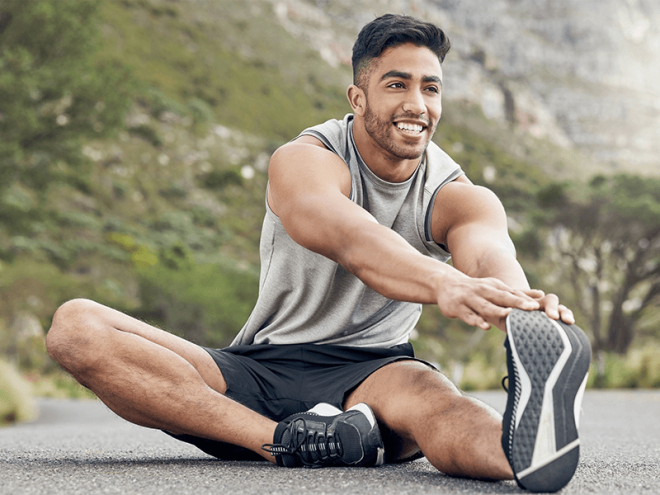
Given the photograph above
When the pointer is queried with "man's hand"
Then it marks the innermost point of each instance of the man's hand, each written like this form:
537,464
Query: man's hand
550,304
482,302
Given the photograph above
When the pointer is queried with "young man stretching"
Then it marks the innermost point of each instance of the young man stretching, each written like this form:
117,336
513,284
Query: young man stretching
362,215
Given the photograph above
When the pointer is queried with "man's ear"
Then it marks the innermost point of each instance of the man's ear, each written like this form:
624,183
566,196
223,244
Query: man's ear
357,99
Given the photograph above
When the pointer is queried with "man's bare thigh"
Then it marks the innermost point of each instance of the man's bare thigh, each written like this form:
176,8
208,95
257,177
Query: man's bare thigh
81,310
402,394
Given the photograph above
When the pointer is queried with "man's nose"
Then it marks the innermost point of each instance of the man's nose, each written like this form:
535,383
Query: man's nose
414,103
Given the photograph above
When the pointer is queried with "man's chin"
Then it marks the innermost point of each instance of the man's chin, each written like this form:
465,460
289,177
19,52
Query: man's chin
410,152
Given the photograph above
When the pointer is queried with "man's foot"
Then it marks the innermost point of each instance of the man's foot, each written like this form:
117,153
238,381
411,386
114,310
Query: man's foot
548,362
326,436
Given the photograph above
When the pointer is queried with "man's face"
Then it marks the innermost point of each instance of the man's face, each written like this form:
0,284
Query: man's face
403,100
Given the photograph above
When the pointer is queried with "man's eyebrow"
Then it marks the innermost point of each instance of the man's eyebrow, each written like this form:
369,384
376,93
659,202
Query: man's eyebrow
396,73
434,79
408,76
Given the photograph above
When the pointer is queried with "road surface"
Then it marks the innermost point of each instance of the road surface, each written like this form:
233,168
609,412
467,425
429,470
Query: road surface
80,447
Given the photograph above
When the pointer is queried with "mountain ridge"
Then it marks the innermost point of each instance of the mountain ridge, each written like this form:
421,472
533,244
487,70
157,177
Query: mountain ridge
583,75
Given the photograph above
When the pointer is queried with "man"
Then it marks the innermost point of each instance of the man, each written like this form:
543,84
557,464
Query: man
361,216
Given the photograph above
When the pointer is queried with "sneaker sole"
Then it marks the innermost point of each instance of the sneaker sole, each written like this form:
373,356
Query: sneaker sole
552,362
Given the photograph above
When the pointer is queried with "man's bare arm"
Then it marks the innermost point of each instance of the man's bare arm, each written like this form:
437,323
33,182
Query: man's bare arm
309,188
471,221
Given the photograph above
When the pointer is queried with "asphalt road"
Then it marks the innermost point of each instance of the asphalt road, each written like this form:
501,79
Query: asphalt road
81,447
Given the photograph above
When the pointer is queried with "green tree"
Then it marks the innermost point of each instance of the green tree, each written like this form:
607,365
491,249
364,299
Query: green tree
605,243
207,304
53,93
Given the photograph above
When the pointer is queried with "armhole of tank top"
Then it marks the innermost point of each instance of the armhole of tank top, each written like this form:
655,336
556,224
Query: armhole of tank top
316,134
429,211
269,210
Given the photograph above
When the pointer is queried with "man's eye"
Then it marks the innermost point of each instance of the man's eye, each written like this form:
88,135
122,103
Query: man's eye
433,89
396,85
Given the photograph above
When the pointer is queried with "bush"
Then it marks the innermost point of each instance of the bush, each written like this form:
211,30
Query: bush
147,133
54,89
58,385
207,304
219,179
160,103
15,396
640,368
200,110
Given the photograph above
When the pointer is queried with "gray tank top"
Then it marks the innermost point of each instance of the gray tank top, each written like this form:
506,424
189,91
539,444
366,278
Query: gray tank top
307,298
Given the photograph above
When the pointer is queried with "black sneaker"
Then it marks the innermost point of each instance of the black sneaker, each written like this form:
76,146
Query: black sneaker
326,436
548,362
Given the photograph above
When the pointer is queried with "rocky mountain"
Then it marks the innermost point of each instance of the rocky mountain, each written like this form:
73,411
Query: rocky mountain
584,74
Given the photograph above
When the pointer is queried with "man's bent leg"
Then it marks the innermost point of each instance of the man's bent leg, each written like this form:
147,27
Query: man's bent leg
150,377
459,435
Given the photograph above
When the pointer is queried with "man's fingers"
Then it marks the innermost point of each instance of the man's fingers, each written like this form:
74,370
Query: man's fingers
566,314
533,293
490,311
508,298
484,314
475,320
551,306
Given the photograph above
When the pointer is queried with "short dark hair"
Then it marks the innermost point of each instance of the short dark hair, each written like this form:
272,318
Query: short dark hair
392,30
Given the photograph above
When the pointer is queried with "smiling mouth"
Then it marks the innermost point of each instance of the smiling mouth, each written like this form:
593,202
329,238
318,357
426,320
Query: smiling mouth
412,129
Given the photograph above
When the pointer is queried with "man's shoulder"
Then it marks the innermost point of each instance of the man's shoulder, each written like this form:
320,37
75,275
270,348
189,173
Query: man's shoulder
331,125
460,203
461,196
333,133
441,168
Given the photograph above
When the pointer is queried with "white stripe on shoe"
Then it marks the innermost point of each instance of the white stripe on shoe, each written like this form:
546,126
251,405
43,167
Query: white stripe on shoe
577,406
547,461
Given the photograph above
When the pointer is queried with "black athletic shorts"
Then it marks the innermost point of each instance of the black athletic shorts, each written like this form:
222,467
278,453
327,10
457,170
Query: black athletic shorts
279,380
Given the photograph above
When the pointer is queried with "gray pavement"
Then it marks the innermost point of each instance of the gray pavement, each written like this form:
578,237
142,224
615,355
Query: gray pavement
81,447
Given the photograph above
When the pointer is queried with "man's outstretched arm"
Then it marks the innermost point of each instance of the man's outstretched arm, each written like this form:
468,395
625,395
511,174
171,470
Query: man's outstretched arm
309,188
471,221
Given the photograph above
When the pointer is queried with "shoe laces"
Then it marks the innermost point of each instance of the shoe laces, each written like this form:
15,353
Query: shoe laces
312,447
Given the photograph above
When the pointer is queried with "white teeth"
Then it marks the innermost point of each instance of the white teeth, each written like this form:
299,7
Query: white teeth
409,127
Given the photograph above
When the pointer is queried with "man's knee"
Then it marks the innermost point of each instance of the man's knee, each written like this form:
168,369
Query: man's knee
70,332
421,380
407,391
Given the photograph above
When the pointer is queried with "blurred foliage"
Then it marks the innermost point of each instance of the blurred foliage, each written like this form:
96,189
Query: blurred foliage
148,133
605,246
15,396
640,368
57,385
220,61
207,304
54,92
